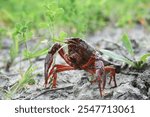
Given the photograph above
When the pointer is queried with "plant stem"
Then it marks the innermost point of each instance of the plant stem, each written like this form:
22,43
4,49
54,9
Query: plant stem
26,46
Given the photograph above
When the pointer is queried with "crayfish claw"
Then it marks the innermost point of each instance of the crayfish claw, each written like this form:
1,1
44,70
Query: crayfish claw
49,60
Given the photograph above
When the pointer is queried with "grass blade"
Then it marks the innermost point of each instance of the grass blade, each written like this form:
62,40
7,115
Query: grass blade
127,44
14,49
144,57
27,78
116,56
28,55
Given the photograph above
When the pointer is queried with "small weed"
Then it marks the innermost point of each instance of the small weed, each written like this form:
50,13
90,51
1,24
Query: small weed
137,64
14,51
27,78
20,36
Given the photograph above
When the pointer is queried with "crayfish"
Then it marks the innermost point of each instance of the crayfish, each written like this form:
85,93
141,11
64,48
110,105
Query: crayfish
80,56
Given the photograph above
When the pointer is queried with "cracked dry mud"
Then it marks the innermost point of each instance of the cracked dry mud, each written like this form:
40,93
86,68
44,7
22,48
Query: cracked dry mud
75,85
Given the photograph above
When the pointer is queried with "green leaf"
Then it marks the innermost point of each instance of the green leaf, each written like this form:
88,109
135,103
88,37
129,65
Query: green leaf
31,82
138,64
27,78
28,55
127,44
61,37
116,57
144,57
14,49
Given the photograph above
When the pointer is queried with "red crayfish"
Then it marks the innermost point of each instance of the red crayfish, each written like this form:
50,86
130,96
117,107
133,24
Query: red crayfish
80,56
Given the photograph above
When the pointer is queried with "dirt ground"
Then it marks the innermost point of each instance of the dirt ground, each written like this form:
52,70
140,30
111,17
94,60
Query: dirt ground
74,85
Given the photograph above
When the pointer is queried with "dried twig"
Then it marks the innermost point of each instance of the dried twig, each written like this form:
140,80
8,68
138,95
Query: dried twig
48,90
130,73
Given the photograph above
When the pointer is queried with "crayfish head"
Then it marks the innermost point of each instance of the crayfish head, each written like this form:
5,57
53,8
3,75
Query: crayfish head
73,40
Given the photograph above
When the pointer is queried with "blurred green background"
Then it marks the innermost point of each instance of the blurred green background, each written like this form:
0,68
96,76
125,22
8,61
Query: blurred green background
73,16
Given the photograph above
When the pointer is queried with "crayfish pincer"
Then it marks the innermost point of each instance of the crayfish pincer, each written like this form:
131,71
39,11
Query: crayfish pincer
80,56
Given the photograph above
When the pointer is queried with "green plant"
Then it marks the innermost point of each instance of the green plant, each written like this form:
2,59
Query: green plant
60,38
27,78
2,34
34,53
14,51
23,31
20,36
72,16
53,13
77,15
135,63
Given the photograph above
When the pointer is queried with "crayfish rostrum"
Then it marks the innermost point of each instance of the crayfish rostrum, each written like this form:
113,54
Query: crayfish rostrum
80,56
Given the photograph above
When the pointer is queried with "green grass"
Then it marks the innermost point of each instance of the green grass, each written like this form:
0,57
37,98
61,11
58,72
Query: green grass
27,78
134,63
76,16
